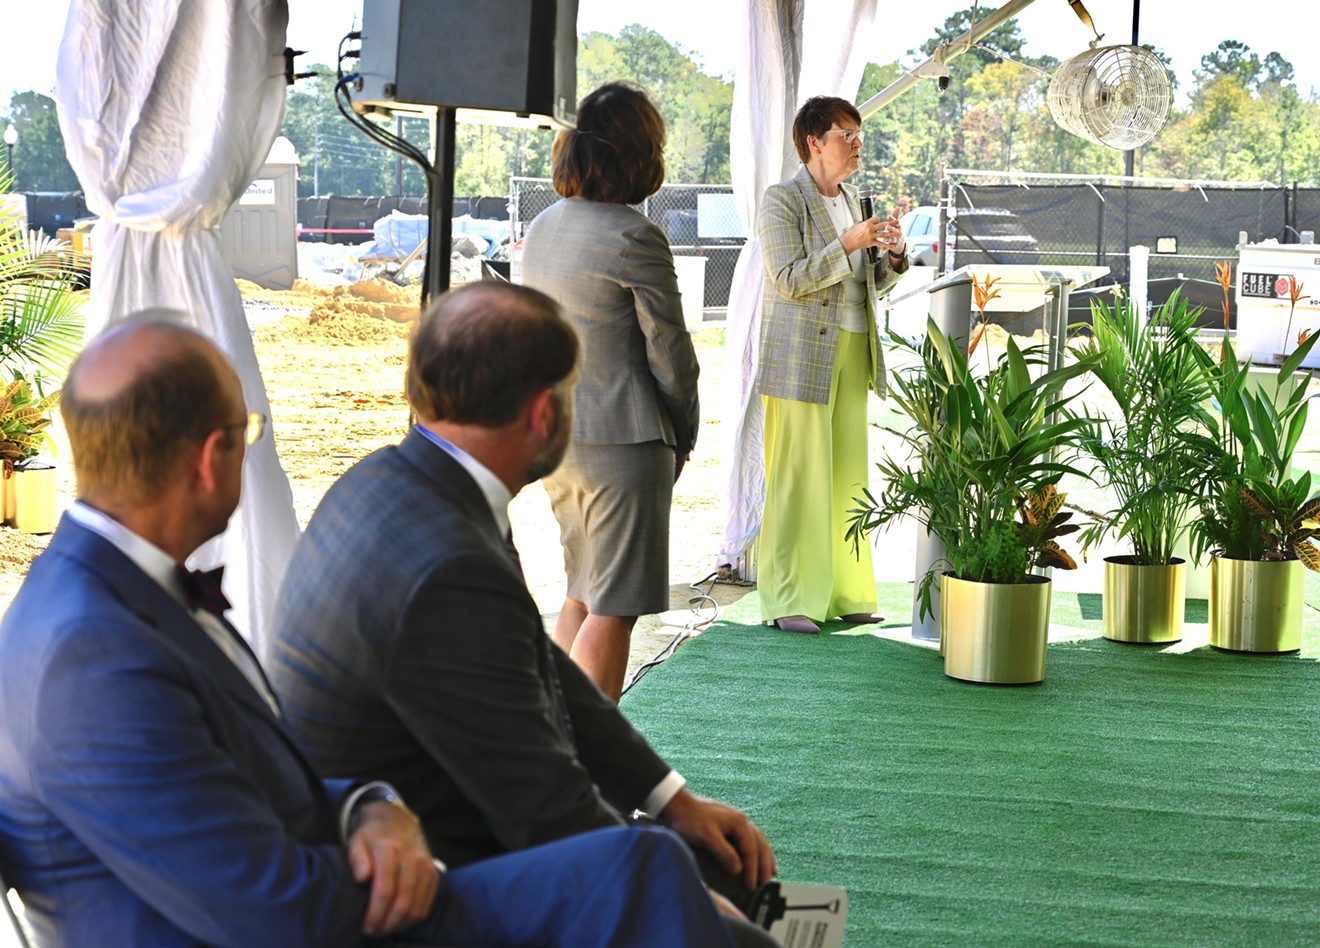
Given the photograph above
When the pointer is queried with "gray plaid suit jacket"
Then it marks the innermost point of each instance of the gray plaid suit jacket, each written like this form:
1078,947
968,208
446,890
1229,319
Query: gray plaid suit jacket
612,271
804,271
408,649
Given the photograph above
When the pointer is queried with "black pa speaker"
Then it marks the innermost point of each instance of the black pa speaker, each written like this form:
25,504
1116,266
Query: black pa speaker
515,60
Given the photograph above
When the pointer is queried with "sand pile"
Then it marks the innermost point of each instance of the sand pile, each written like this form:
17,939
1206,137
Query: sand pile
375,299
304,294
364,312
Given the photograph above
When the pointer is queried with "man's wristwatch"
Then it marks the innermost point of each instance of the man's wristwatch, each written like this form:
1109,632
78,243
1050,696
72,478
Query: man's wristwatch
381,792
375,792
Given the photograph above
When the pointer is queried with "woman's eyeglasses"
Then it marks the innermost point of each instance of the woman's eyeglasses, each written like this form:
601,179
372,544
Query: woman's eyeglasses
850,135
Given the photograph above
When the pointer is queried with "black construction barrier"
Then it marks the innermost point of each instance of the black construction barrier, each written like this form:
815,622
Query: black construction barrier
350,220
51,211
1083,224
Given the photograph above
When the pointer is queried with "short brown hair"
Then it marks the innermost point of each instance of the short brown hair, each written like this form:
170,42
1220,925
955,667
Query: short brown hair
616,153
816,117
133,441
481,351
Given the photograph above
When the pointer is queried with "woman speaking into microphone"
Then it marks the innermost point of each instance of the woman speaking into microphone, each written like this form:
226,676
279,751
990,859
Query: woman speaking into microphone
827,264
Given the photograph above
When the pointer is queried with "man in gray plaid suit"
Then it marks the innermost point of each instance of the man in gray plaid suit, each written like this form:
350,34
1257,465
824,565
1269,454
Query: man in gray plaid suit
407,644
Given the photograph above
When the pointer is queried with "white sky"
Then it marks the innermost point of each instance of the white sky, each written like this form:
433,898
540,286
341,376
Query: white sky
709,30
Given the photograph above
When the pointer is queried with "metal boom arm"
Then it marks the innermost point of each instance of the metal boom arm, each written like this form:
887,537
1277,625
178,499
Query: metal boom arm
951,49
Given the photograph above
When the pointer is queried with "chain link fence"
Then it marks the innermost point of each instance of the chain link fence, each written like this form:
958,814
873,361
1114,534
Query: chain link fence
699,220
1188,225
1053,219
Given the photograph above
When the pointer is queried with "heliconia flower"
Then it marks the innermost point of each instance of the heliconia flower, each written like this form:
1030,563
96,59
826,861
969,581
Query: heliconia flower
1224,274
1302,336
976,337
1295,294
984,292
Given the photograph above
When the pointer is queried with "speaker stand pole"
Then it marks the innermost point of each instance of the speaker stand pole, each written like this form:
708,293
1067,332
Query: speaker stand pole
440,205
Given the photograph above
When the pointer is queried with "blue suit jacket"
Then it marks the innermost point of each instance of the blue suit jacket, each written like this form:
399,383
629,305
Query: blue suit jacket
148,796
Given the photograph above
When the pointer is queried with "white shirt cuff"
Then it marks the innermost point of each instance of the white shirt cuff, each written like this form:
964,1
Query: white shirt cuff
372,792
664,791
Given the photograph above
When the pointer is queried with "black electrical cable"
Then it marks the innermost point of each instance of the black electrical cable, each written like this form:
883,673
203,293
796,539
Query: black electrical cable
386,139
381,136
702,598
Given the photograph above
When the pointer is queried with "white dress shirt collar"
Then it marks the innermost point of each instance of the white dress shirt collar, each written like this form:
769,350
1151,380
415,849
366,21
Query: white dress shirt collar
492,488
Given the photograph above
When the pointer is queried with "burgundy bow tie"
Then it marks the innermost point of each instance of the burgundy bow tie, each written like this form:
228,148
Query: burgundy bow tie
201,589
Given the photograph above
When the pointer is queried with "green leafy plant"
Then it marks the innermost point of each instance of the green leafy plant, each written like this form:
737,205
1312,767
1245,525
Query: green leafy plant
1250,504
1288,514
24,418
41,320
984,457
1152,370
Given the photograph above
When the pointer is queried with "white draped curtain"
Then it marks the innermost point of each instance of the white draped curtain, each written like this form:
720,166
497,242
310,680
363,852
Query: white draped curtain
789,50
168,109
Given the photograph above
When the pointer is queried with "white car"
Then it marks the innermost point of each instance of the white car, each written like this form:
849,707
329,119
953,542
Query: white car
989,235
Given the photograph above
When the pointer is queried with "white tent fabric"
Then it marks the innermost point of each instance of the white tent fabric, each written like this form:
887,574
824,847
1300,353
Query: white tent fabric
168,108
789,50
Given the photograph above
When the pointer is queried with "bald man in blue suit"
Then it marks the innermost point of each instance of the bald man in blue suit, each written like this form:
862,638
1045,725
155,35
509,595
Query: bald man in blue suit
149,791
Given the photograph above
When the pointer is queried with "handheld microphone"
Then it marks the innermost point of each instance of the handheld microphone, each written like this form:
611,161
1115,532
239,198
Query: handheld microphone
868,211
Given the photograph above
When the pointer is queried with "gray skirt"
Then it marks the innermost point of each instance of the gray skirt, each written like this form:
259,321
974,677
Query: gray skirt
612,503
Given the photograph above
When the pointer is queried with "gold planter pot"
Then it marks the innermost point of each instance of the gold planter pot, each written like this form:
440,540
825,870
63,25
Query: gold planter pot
994,633
1256,606
30,499
1143,604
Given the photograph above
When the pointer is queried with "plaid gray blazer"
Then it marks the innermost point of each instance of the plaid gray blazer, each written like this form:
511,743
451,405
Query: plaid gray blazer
612,271
804,269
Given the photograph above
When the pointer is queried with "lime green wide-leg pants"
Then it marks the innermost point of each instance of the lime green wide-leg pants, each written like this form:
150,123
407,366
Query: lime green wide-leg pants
815,464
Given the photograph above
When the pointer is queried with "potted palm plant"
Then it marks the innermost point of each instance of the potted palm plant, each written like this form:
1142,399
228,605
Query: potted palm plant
1256,516
984,457
41,329
1152,371
28,483
41,322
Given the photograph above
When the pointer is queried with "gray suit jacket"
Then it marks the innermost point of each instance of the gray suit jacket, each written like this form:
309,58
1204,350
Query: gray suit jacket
612,271
803,304
408,648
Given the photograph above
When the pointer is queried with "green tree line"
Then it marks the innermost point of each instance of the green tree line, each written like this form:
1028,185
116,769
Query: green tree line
336,159
1244,119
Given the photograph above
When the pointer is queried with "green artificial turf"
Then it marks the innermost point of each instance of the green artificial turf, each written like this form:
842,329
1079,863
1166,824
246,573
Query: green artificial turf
1135,797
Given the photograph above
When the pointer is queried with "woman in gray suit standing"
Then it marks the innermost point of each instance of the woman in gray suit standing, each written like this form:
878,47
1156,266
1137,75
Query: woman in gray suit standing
826,265
635,408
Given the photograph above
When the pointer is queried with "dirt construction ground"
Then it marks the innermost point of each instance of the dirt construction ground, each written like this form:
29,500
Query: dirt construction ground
333,362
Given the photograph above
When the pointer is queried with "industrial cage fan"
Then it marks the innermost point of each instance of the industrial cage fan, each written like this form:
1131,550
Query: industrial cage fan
1114,95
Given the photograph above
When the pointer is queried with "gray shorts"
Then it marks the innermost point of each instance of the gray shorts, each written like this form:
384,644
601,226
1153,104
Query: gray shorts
612,503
